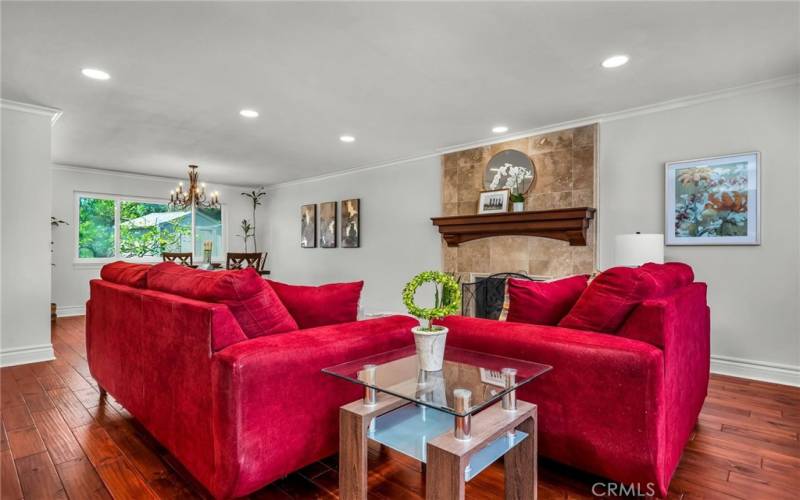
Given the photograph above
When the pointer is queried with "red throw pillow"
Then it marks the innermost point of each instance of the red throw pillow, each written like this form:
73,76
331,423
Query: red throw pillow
125,273
254,305
320,305
669,276
609,298
543,302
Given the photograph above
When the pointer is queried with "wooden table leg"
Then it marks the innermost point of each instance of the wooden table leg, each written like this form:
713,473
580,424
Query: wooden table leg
521,464
352,456
444,475
354,419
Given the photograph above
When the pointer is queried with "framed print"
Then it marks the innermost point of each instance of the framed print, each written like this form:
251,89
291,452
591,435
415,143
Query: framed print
308,226
327,224
351,227
714,201
493,202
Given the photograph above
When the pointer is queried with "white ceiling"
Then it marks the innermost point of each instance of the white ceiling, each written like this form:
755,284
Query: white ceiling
404,78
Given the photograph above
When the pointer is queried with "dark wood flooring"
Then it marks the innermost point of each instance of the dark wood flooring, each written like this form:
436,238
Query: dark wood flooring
61,440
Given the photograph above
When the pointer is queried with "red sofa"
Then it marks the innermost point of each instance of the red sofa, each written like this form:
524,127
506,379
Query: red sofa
620,404
240,412
237,412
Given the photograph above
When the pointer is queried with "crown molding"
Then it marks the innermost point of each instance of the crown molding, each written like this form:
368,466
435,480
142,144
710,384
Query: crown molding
658,107
133,175
35,109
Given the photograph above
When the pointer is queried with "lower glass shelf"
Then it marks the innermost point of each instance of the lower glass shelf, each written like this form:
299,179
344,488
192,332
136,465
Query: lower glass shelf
409,428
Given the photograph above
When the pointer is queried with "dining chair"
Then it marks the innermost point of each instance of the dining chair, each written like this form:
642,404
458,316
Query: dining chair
184,259
240,260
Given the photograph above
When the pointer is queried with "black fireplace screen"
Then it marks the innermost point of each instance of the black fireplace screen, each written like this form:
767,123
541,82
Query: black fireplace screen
484,297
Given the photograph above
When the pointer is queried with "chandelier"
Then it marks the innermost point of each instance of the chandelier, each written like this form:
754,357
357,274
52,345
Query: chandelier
195,196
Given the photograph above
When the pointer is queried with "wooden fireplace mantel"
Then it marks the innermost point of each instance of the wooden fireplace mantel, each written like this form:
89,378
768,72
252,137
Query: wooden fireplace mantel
566,224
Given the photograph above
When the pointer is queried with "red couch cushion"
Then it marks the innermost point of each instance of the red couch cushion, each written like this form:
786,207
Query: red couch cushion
253,303
543,302
125,273
669,276
609,298
313,306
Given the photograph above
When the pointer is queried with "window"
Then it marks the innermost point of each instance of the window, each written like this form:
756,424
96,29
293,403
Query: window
122,228
96,228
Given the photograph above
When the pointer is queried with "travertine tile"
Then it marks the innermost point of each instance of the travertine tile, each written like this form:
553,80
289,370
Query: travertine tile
449,258
518,144
553,171
582,260
545,143
583,198
548,201
565,177
473,256
450,161
508,254
467,207
450,185
583,168
470,182
584,136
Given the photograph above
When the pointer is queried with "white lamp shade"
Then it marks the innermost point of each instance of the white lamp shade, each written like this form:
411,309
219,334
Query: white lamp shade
636,249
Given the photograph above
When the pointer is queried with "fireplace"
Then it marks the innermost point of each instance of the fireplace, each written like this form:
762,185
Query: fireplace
485,295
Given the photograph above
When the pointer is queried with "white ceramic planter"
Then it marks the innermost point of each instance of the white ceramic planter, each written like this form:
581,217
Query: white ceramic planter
430,348
518,206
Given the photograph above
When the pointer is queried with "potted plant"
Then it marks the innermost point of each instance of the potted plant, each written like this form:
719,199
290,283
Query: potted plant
515,179
429,338
55,223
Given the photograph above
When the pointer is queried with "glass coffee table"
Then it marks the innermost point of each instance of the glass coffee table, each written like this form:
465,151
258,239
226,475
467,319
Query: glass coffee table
457,420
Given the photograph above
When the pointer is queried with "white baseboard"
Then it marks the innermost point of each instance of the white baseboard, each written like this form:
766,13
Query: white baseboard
757,370
27,354
66,311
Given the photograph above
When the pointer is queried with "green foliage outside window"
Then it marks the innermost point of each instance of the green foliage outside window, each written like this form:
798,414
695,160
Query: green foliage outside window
145,229
96,228
141,237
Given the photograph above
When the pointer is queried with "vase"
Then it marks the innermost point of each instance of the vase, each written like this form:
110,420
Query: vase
518,206
430,347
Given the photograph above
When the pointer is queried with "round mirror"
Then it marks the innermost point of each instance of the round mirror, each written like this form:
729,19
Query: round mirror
509,169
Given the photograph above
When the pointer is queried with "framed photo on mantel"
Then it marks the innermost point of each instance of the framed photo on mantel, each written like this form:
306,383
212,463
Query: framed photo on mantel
714,201
493,202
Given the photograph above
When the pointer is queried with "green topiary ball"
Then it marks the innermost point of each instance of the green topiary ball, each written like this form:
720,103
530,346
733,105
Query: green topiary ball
445,305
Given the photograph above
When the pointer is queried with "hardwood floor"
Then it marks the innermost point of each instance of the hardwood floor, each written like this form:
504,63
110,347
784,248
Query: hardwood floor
61,440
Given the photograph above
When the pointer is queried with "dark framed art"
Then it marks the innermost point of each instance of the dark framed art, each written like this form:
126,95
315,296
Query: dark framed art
327,224
308,226
351,226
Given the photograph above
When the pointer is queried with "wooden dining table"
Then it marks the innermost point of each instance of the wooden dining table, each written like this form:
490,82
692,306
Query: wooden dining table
216,266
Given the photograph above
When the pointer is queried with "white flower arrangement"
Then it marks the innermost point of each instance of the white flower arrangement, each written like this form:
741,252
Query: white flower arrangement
514,177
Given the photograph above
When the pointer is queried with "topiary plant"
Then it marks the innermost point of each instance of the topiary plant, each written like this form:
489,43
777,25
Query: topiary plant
445,301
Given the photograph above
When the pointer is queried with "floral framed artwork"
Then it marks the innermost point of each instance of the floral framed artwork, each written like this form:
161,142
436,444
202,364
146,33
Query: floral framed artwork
714,201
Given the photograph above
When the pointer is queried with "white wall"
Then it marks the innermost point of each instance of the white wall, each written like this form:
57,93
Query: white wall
753,290
25,255
70,278
397,237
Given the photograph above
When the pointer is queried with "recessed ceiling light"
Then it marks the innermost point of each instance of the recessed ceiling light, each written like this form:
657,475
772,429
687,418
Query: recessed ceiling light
95,74
347,138
615,61
500,129
249,113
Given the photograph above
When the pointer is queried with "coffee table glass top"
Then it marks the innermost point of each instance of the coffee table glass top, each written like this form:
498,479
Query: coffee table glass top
397,373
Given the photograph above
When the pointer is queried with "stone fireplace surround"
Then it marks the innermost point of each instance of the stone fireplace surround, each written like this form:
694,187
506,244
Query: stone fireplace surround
565,166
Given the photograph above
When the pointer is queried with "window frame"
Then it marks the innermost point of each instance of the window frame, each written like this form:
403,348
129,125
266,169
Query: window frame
118,199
